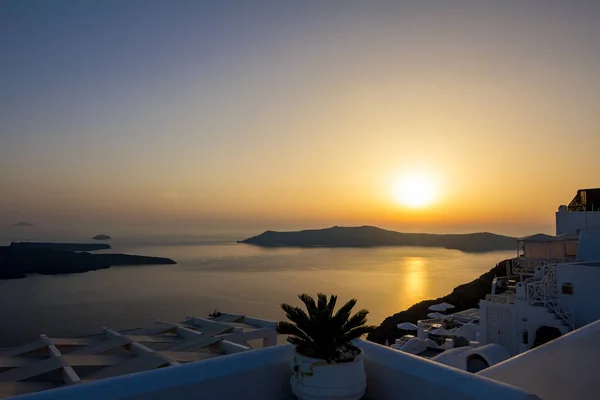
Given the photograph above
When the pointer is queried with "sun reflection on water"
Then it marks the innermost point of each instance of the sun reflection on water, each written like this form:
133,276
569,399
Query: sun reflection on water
413,286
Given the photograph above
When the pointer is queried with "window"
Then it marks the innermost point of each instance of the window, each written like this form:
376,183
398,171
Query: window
567,288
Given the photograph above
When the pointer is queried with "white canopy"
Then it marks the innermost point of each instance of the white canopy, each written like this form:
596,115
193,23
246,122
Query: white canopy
439,331
436,315
441,307
407,326
538,237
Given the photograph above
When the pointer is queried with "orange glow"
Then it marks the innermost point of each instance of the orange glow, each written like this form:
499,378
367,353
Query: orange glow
465,127
413,282
415,191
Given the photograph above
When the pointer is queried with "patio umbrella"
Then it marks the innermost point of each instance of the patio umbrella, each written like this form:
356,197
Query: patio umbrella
442,307
407,326
439,331
436,315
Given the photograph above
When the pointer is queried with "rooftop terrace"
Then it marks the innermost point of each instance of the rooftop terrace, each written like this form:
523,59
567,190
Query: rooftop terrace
553,371
49,363
264,374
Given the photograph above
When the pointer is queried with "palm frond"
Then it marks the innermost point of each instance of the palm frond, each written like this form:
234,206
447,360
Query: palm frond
320,333
322,301
298,317
358,319
295,314
357,333
309,302
343,313
286,328
331,305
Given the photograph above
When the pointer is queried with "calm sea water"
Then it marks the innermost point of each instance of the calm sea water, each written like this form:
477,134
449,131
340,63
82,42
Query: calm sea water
229,277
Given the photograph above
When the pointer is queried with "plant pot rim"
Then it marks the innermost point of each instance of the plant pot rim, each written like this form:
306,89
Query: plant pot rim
358,357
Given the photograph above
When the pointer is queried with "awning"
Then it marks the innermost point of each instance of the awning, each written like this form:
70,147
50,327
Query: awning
442,307
407,326
538,237
436,315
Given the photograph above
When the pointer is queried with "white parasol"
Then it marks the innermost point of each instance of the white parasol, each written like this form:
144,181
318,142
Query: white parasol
407,326
442,307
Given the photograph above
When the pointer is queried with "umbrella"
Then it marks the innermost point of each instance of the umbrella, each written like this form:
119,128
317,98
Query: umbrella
407,326
439,331
436,315
442,307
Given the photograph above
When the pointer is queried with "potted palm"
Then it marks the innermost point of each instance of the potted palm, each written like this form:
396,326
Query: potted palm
326,363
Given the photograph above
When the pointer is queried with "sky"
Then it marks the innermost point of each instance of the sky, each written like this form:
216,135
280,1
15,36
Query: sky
193,115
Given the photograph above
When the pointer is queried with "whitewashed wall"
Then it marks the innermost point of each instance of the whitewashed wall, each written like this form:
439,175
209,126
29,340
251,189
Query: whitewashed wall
257,374
571,221
264,374
585,300
565,368
392,374
522,317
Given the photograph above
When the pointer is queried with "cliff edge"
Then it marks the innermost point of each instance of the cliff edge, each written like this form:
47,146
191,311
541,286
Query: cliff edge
462,297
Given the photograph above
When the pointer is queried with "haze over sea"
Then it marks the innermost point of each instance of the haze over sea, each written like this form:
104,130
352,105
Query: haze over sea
214,272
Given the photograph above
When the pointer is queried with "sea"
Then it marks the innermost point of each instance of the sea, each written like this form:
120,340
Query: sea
220,274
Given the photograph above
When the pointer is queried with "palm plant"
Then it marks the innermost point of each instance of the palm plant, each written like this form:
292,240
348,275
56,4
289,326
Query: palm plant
321,333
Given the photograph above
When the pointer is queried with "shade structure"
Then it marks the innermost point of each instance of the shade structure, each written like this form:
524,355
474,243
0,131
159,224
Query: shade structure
439,331
407,326
436,315
442,307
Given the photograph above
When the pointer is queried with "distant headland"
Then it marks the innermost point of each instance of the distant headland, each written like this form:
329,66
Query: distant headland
20,259
370,236
23,224
101,237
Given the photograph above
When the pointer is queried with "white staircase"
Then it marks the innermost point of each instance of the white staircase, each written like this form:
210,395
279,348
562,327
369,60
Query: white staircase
544,293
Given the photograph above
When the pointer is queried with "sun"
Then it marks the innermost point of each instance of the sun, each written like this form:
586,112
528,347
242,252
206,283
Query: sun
415,190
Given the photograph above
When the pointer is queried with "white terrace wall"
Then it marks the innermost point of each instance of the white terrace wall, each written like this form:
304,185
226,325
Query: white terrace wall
255,374
584,299
264,374
565,368
519,318
392,374
571,221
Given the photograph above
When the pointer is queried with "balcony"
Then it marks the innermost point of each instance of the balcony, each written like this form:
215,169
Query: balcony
527,266
264,374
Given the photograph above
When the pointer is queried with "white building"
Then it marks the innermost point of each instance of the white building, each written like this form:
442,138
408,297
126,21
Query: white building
551,288
583,212
554,282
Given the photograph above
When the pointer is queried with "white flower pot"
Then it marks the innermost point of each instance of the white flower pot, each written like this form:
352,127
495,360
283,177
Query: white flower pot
315,379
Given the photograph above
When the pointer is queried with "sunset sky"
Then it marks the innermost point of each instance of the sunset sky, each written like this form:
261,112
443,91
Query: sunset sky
301,114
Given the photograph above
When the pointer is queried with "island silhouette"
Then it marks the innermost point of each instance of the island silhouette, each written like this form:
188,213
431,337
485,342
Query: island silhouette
23,224
371,236
23,258
101,237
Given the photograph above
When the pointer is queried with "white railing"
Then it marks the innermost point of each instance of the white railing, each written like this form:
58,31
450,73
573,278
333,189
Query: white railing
544,292
559,310
525,265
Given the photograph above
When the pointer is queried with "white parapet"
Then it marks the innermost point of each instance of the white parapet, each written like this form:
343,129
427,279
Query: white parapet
265,374
572,221
564,368
393,374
